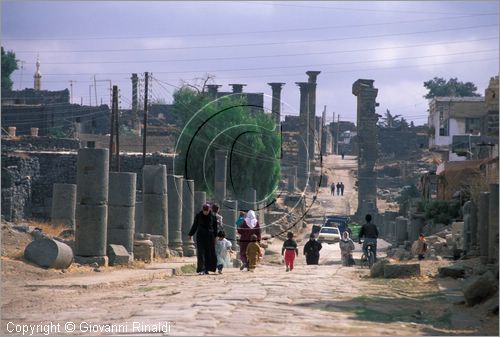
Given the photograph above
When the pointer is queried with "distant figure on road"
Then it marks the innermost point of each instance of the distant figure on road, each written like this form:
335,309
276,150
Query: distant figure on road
342,188
205,227
332,189
249,226
289,250
370,232
222,250
346,247
311,250
338,188
254,253
342,153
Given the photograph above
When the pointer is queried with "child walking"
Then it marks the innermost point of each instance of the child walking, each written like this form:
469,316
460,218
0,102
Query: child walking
254,253
222,250
289,250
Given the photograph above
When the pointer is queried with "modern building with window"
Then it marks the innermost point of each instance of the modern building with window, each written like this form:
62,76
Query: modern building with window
453,116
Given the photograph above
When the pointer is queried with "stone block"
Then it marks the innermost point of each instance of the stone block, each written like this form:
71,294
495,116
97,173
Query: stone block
479,288
123,237
401,270
121,217
91,230
122,186
143,250
454,271
154,179
48,253
101,261
377,269
160,246
92,177
118,255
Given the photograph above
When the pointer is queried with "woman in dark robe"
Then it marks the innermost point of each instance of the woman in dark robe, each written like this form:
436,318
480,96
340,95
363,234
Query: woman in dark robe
205,227
311,250
249,226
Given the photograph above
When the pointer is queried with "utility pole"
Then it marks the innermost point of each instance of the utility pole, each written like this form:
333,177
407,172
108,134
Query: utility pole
95,90
117,128
90,94
145,125
338,130
71,91
111,134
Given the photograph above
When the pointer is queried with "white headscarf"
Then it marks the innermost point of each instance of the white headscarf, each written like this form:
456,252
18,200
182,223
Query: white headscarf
250,219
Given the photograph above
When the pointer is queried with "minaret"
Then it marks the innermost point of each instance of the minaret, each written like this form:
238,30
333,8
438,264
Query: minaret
37,76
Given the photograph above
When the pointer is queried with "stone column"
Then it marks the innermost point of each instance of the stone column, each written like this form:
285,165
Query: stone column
200,198
64,204
493,225
292,182
213,89
416,224
175,197
237,88
187,216
121,210
230,213
92,177
483,228
276,104
154,200
466,209
220,176
367,140
304,137
313,75
401,231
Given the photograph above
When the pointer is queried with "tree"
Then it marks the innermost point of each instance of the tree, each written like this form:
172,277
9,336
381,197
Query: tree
392,121
9,64
439,87
251,140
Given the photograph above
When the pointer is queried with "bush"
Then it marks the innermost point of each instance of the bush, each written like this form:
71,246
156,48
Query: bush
441,211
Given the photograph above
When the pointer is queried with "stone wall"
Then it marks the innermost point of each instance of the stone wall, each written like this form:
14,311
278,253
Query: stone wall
39,143
27,179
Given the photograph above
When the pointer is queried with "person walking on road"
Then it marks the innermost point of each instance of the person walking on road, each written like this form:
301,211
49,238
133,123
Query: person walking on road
254,253
249,227
222,250
338,188
342,188
205,228
311,250
332,189
346,248
289,250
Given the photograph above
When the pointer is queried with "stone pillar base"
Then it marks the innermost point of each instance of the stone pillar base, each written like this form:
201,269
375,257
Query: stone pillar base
189,249
101,261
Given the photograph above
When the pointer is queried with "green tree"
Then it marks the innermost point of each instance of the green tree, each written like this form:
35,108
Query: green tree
251,140
392,121
9,64
439,87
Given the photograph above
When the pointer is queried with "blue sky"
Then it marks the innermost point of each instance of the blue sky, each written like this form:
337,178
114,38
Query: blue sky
398,44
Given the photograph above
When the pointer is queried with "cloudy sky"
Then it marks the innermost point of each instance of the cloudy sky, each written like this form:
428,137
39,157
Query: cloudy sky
398,44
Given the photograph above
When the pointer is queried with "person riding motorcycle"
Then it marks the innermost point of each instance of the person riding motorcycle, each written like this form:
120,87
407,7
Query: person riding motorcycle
370,232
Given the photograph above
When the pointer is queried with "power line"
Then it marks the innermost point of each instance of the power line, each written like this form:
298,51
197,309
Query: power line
297,66
259,43
271,56
244,32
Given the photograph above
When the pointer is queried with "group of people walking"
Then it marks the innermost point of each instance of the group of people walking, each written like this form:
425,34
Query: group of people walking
340,188
214,250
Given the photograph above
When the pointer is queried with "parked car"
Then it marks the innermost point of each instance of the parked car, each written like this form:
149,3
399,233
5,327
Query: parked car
329,234
339,220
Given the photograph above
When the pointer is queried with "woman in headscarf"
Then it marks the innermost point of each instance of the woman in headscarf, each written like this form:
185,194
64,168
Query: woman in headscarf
249,226
346,248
